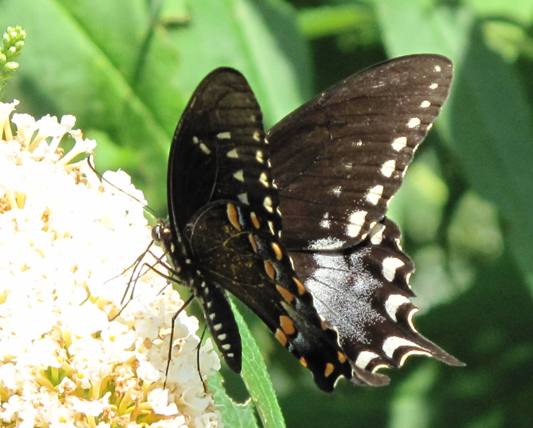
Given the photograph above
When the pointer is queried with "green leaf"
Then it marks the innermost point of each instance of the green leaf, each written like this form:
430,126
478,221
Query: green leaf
412,398
487,121
256,378
77,62
258,37
333,20
123,70
233,414
520,10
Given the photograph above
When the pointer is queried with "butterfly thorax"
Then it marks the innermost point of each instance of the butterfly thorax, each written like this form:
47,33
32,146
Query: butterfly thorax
182,268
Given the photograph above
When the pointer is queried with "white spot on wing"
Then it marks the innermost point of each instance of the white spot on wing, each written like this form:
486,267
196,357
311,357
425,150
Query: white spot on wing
217,327
413,352
393,302
356,221
388,168
239,175
410,319
205,149
325,223
374,194
328,243
259,156
376,234
226,347
222,337
425,104
343,291
256,136
364,358
263,179
195,140
224,135
399,143
267,203
390,266
414,122
243,197
407,278
434,85
437,68
233,154
391,344
337,190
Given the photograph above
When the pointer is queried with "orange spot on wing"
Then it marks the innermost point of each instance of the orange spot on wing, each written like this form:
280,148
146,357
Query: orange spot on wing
233,217
299,285
285,294
281,338
269,269
277,251
329,369
287,325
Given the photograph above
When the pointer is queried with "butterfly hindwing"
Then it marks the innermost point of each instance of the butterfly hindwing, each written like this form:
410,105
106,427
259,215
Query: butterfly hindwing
221,322
250,263
340,158
364,293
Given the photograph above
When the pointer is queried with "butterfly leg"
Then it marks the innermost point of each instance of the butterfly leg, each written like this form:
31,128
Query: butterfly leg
169,357
198,359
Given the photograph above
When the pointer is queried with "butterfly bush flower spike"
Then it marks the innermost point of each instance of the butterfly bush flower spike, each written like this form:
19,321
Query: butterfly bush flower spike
12,44
69,357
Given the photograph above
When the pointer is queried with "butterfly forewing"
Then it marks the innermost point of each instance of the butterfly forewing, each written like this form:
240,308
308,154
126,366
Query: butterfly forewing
218,149
340,158
220,130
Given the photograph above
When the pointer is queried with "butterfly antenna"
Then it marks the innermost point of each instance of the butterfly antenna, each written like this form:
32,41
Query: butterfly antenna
101,177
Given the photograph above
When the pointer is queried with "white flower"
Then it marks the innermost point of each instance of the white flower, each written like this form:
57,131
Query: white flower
70,354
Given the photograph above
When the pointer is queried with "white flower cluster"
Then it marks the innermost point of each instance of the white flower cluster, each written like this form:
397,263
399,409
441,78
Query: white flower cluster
66,358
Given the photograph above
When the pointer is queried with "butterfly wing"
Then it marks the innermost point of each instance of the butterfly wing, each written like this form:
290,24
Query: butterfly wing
249,262
363,292
223,207
340,158
220,129
218,150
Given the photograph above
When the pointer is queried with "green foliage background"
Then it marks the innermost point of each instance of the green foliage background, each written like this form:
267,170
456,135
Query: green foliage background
126,68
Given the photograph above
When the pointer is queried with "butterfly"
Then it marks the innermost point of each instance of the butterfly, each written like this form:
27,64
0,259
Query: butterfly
293,222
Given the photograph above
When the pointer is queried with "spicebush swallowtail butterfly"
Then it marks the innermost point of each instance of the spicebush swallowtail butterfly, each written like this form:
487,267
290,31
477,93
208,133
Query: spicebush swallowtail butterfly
328,276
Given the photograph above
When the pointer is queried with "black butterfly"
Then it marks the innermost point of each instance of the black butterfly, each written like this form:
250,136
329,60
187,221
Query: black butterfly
332,282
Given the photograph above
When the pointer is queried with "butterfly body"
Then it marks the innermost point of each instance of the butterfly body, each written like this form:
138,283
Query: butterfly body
329,277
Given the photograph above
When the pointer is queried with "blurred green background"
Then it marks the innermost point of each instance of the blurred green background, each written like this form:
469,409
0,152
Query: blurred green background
126,68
